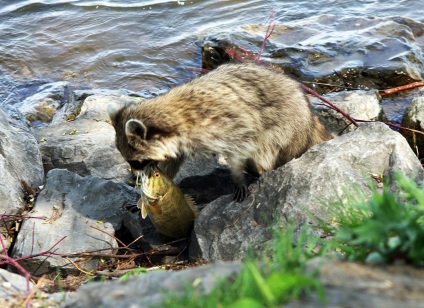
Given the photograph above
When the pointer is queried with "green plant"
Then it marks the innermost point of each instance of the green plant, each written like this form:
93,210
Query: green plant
389,227
134,272
263,282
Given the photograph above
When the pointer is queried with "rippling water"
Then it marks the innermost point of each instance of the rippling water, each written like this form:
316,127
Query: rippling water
138,44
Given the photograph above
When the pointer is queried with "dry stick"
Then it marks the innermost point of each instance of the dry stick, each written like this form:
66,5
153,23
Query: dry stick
393,125
47,252
331,105
401,88
111,235
269,30
36,287
78,268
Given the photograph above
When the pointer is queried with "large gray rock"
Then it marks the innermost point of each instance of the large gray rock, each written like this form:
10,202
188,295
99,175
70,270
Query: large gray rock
302,190
360,52
86,145
360,105
20,160
345,285
70,206
414,119
148,290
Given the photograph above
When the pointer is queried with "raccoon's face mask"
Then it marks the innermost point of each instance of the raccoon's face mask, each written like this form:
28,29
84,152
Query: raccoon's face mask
139,142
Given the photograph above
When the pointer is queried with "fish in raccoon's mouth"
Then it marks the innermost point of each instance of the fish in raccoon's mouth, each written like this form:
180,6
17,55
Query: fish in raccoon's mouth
140,165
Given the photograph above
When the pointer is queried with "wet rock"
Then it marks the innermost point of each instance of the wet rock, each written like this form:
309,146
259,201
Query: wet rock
72,207
41,106
148,290
301,190
414,119
361,105
20,160
353,52
86,145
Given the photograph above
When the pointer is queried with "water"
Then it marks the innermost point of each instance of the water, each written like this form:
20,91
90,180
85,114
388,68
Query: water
137,44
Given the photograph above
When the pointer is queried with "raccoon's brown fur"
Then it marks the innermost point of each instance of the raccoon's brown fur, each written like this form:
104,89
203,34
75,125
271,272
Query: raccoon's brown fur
249,114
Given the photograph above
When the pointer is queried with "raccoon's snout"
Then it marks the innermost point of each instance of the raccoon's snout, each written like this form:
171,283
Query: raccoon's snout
139,165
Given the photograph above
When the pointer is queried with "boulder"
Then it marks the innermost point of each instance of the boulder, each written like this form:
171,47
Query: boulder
20,163
414,119
83,211
86,145
331,51
345,285
302,190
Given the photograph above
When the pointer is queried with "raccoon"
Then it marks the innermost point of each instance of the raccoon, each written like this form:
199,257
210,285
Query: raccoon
255,117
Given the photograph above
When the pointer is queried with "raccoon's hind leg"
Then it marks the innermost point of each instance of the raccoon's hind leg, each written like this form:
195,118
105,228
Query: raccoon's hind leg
237,168
171,166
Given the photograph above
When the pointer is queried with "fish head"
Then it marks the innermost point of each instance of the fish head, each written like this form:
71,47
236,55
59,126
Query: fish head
155,184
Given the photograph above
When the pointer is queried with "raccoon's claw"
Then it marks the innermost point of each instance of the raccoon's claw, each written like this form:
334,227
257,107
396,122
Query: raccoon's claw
240,193
133,208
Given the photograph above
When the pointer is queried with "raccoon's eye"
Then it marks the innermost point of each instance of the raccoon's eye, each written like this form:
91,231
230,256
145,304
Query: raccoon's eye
157,174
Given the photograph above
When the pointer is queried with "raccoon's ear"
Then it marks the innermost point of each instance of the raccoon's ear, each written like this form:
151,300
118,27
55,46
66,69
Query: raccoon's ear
135,129
113,109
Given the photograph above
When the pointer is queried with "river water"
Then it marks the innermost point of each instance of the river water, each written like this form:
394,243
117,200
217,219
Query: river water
139,44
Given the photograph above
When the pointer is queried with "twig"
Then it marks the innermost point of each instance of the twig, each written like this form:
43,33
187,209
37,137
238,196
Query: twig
27,275
34,289
47,252
269,30
111,235
401,88
330,105
393,125
78,268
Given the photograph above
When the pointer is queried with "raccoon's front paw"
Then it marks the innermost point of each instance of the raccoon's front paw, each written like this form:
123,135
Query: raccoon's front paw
133,208
240,193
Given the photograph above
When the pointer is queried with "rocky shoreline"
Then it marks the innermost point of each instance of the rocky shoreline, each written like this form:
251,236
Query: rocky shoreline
79,217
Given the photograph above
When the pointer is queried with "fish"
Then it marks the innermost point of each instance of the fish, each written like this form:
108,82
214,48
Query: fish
171,212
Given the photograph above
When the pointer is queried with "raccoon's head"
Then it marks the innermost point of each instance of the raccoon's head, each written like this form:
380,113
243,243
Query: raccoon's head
140,141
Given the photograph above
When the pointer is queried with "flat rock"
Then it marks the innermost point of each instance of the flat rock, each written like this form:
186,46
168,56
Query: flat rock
302,190
20,160
83,211
86,145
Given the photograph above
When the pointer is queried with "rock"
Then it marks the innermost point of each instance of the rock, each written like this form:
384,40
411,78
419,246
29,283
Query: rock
361,105
148,290
358,285
302,190
361,52
20,160
13,286
86,145
414,119
345,285
71,207
41,106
